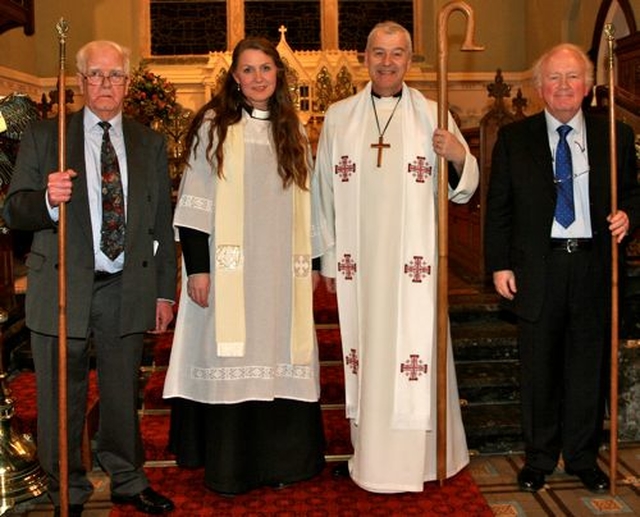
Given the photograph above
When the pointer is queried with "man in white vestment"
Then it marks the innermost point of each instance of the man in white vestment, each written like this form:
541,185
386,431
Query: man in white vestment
377,165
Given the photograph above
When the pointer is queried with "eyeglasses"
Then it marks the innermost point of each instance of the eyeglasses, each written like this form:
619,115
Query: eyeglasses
97,78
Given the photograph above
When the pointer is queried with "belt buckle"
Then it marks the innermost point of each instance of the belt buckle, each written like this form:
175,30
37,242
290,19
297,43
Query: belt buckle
572,245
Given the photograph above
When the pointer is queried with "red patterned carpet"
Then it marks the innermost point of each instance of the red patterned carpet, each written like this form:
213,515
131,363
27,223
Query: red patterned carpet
317,497
321,496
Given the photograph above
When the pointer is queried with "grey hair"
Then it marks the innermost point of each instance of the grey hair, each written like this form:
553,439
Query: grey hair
390,28
578,51
83,54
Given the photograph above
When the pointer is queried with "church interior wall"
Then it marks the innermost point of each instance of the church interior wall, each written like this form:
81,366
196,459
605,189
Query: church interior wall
514,33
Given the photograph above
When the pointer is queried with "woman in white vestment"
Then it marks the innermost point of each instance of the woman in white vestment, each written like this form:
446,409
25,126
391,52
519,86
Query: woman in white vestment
243,374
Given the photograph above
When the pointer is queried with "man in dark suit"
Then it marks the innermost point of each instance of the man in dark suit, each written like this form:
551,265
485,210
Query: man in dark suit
113,296
553,265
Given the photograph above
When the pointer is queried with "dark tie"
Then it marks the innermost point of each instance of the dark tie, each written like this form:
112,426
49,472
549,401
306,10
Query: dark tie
565,213
112,231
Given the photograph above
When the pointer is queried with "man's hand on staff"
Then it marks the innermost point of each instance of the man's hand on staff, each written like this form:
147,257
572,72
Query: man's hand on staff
447,145
619,225
60,186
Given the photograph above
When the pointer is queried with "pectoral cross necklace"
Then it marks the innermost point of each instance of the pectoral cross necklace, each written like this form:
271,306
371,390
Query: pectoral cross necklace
381,145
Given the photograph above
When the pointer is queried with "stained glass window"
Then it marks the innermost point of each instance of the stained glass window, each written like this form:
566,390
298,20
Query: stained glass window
357,18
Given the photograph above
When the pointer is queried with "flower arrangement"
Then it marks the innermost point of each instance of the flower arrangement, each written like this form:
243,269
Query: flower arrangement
150,97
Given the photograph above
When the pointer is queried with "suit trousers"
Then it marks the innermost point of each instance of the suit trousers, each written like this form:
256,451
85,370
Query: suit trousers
562,358
119,445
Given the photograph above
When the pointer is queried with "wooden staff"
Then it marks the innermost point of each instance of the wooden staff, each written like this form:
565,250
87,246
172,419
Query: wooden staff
443,234
613,160
62,27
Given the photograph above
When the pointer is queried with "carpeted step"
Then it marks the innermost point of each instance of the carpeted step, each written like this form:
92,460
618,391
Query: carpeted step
488,374
332,384
336,431
493,428
162,348
155,436
484,338
325,305
153,388
484,382
329,344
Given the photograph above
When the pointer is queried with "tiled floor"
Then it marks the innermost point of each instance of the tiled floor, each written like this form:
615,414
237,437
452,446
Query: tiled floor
562,495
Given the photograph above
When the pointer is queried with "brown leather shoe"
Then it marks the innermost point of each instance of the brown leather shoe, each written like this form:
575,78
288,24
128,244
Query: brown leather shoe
593,478
147,501
530,479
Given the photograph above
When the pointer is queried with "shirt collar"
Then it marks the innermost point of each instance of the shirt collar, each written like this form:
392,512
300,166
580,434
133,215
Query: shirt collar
576,123
377,96
91,122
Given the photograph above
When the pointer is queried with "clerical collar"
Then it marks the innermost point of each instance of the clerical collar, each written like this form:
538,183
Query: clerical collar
256,113
378,96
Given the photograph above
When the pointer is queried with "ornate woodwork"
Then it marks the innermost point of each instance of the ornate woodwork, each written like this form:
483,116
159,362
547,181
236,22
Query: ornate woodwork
17,13
466,222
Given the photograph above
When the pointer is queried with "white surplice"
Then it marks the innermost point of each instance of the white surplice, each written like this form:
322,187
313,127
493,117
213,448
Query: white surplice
385,263
265,370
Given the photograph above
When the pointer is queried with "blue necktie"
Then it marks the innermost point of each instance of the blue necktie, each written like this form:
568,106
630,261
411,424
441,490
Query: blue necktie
113,224
565,212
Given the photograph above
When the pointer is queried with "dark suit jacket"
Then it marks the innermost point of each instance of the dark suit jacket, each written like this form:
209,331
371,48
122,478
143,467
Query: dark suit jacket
522,196
148,273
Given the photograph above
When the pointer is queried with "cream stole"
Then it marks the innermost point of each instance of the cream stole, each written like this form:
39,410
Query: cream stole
229,259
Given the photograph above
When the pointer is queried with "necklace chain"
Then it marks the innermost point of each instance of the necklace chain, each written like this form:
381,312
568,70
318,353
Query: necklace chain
375,112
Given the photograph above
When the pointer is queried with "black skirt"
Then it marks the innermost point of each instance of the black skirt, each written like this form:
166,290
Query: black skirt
249,444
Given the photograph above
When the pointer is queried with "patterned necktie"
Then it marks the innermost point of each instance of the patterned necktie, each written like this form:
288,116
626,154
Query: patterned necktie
565,212
112,231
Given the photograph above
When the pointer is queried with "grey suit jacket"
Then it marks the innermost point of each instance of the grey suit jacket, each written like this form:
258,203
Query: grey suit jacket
150,261
522,196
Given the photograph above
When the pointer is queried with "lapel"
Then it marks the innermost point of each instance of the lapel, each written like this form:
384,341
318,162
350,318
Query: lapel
597,138
542,161
78,208
135,145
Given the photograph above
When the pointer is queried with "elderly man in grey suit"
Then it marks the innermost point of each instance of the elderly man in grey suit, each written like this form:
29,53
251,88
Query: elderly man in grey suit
121,273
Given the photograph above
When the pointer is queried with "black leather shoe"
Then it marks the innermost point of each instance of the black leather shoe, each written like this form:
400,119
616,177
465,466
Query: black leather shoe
530,479
280,486
341,470
75,510
147,501
593,478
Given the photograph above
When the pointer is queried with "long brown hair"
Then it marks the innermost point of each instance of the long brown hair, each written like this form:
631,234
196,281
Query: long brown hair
227,106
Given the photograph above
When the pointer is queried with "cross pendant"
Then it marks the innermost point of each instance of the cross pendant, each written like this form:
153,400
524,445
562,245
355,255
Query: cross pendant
380,146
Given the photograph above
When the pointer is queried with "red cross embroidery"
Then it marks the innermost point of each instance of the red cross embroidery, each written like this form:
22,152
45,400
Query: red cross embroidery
345,168
352,361
420,169
347,266
417,269
413,368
